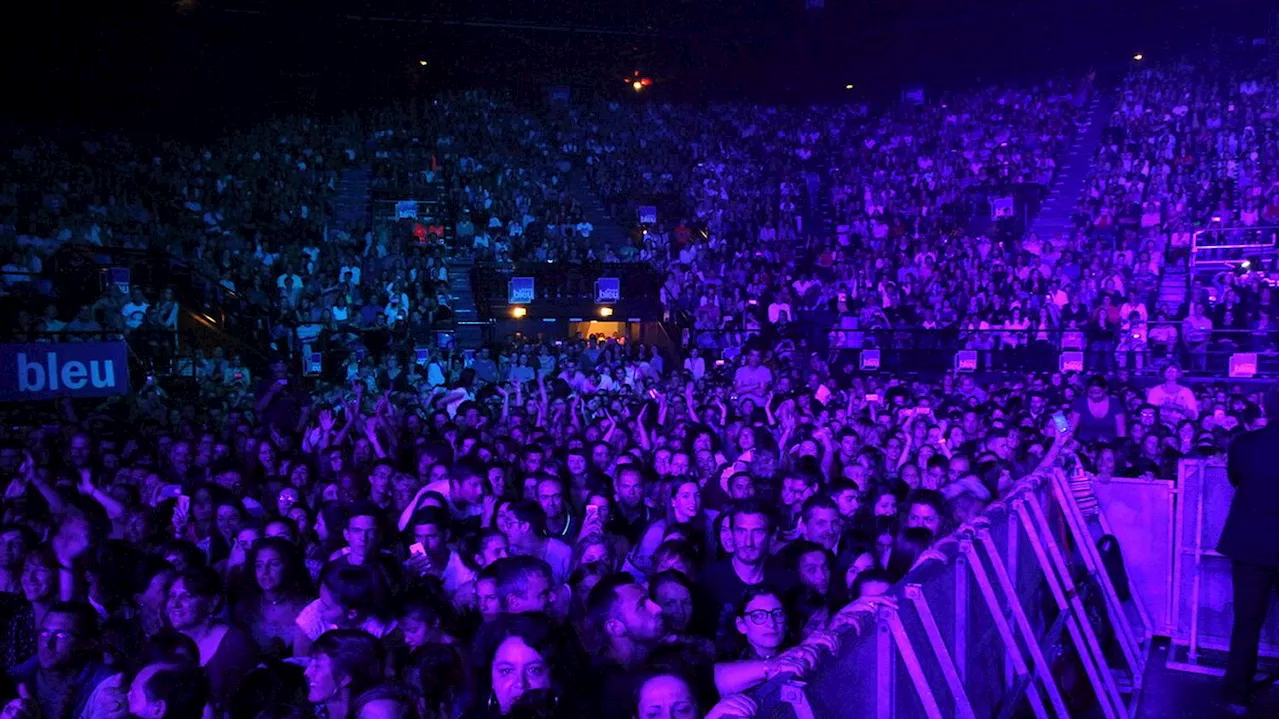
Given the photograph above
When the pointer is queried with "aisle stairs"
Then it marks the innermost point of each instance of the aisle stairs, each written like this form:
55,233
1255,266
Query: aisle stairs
1055,218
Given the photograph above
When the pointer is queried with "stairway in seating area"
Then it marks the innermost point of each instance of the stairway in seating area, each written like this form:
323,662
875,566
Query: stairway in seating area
351,207
1074,168
469,328
1173,289
606,232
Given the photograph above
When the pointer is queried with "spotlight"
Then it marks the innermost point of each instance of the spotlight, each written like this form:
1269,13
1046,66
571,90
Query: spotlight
606,311
637,86
422,63
1137,56
519,312
849,86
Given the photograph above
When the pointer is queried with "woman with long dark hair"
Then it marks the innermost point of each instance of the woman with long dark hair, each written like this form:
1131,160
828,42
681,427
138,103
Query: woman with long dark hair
278,590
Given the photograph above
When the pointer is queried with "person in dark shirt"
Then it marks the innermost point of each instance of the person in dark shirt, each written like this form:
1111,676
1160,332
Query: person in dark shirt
622,626
728,580
632,515
67,667
280,402
1249,539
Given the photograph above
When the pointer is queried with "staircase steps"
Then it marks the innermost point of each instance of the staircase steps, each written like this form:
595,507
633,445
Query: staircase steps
1074,169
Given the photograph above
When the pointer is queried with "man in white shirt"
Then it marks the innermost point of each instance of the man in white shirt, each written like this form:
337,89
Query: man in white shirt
135,310
752,380
780,310
1133,305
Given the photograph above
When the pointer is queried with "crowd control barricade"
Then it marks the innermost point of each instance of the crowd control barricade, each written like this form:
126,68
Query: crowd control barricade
1201,596
1013,616
1140,512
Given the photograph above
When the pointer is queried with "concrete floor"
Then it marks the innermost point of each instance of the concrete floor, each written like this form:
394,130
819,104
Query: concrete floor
1172,694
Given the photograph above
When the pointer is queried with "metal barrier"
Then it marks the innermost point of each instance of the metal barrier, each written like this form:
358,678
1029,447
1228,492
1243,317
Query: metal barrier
1019,619
1202,604
1219,248
912,349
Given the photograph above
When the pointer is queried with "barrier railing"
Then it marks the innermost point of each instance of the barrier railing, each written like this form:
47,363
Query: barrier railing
912,349
1018,618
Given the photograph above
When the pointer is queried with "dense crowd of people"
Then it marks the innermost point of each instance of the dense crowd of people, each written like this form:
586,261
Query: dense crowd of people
591,527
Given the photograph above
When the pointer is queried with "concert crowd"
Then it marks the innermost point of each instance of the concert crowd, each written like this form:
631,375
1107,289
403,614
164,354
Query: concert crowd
591,527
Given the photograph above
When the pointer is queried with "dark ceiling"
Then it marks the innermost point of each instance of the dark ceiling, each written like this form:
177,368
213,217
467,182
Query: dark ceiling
205,63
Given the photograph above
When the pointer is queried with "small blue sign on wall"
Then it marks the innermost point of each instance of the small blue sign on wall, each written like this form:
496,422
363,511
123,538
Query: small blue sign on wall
73,369
608,290
520,291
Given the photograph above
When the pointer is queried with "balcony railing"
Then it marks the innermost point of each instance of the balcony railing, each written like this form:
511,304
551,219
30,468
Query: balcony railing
912,349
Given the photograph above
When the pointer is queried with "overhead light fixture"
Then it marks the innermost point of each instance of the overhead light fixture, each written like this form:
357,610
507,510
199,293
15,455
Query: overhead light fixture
606,311
637,86
519,312
1137,56
423,63
849,86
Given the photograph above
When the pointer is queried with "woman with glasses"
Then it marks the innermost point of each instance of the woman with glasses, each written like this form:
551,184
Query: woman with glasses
766,652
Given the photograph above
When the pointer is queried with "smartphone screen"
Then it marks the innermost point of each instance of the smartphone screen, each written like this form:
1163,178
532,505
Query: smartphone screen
1060,422
416,549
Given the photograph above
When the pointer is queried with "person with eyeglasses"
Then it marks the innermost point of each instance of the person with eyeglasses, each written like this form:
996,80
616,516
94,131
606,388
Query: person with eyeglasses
68,665
762,621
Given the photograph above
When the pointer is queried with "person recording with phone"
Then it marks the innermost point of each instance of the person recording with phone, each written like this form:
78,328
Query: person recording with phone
1249,538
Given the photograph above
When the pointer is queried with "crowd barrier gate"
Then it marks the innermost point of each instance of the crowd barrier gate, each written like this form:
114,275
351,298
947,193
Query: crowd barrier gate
1201,598
1014,617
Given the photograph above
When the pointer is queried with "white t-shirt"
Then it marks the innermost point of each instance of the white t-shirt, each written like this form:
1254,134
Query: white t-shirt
558,555
777,310
134,314
1180,398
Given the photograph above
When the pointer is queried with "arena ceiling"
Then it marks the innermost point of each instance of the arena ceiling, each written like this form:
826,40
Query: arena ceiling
191,61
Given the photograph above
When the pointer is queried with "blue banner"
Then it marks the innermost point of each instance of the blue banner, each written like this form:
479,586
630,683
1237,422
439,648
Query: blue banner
79,369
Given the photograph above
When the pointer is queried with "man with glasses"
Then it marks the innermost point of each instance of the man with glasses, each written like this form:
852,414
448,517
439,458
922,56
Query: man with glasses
68,666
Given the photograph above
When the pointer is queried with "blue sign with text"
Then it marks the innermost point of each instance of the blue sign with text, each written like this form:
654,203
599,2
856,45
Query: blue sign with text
520,291
608,290
79,369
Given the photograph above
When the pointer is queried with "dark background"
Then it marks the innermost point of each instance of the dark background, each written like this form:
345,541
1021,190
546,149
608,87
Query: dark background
197,66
